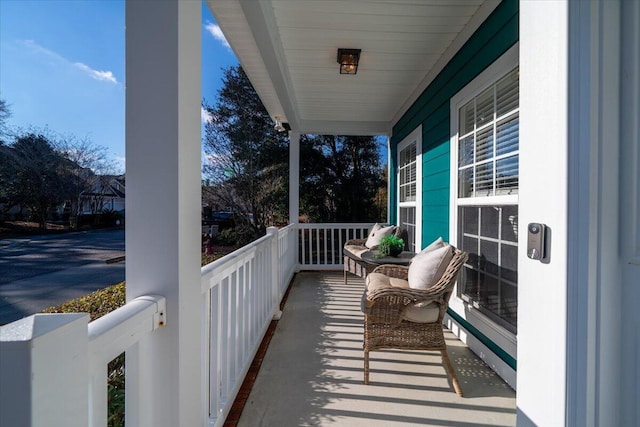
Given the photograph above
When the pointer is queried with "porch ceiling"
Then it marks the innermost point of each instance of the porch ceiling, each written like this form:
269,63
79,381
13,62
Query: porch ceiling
288,49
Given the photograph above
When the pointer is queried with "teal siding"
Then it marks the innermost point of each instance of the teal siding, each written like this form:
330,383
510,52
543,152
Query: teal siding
431,110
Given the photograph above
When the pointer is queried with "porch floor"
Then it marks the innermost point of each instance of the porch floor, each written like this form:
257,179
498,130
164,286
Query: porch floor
312,373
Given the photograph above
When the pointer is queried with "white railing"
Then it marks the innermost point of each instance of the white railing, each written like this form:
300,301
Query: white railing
59,352
287,247
241,294
321,244
113,334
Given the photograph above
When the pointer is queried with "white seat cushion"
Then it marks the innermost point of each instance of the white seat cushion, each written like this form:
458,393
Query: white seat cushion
377,281
427,314
427,267
423,312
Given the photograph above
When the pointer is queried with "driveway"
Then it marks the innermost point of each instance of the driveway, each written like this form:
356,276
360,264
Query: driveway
41,271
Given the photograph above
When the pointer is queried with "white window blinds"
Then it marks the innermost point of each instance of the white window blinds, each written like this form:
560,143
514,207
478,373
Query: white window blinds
488,141
407,172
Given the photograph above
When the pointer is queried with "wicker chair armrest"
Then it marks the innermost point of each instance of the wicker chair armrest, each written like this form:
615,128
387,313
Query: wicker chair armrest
402,297
388,305
355,242
392,270
410,296
386,309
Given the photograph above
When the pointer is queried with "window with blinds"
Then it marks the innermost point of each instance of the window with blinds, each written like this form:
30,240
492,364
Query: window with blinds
487,228
407,174
488,129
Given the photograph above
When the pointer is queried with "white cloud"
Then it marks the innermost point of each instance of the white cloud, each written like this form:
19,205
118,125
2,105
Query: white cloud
205,116
35,47
216,32
105,76
120,163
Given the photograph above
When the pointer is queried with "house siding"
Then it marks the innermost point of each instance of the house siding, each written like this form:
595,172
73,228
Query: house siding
431,110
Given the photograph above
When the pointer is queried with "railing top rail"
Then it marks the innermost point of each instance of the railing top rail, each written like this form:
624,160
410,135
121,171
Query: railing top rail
287,228
114,332
335,225
233,256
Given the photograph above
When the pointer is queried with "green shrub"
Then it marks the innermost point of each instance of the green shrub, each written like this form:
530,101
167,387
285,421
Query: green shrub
238,236
109,217
97,303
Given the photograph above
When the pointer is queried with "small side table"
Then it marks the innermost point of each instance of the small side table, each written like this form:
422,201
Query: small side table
373,258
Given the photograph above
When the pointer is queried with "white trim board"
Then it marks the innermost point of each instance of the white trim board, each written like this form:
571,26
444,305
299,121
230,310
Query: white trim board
482,351
415,135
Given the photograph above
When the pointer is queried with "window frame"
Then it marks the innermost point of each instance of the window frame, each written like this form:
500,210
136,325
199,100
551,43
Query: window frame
500,335
414,136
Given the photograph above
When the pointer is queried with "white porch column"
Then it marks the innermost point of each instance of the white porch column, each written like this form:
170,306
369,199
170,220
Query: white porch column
294,177
389,179
542,287
163,72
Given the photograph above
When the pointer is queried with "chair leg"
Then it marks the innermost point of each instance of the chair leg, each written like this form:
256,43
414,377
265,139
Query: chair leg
452,374
345,277
366,366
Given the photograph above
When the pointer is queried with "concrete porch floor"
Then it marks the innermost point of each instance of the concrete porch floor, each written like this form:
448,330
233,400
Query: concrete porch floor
312,373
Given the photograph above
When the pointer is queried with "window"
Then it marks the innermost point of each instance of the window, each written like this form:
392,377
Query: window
485,141
488,141
489,278
409,186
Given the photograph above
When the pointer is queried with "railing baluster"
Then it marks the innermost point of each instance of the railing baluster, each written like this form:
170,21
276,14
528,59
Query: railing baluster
321,260
214,351
311,246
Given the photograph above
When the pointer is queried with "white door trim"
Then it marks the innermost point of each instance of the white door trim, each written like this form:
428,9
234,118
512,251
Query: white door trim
542,286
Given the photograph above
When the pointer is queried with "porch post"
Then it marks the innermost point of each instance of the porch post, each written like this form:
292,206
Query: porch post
294,177
544,103
163,93
44,371
275,271
388,178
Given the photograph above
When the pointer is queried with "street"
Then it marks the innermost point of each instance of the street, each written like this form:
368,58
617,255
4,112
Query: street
40,271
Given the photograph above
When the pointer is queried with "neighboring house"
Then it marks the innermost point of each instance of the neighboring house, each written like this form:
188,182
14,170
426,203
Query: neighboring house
107,193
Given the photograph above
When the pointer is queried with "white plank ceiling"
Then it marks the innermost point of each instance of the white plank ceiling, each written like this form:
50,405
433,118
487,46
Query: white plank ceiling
288,49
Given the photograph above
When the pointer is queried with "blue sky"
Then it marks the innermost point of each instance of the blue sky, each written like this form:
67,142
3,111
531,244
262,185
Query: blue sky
62,67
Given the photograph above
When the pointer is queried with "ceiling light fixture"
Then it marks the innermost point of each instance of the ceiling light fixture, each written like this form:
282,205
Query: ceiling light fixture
348,60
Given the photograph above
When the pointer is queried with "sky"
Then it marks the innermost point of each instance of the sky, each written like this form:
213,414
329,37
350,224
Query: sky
62,67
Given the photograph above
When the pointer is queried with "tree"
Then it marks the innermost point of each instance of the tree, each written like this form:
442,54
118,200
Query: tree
247,164
246,158
90,171
5,113
34,175
340,178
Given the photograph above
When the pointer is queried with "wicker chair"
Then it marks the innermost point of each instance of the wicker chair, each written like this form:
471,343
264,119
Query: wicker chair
353,248
384,326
